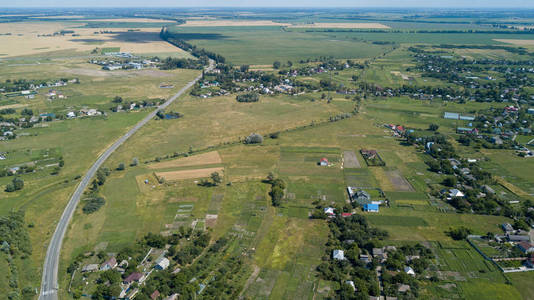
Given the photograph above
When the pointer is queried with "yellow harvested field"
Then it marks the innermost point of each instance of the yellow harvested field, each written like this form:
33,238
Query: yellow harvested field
25,39
219,23
196,160
188,174
516,42
131,20
342,25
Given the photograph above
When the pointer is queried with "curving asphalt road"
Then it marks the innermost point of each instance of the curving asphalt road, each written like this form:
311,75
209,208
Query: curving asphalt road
49,285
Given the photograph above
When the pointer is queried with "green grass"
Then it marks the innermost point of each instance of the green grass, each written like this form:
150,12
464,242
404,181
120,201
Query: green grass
264,45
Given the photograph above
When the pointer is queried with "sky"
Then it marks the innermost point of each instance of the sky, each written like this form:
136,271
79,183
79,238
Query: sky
272,3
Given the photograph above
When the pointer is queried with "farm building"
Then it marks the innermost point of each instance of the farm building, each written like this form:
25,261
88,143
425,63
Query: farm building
162,263
324,162
371,207
108,264
517,238
451,116
338,255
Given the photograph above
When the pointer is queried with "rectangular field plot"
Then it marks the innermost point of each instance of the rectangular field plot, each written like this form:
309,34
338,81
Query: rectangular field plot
188,174
360,178
396,221
305,162
398,181
350,160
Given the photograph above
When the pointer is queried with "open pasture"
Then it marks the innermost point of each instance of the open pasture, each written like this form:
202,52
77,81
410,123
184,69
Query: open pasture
264,45
36,38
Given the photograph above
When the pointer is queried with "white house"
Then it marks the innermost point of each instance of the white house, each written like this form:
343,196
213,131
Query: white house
71,114
409,271
456,193
162,263
329,211
338,255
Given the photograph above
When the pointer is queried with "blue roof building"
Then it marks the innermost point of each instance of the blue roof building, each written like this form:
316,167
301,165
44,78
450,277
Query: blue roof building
371,207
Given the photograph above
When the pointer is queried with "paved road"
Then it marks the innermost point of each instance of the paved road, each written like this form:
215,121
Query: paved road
49,285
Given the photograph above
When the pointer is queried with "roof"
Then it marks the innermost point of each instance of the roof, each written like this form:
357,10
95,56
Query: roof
324,159
338,254
449,115
135,276
163,262
346,214
370,207
409,270
524,245
111,262
329,210
155,295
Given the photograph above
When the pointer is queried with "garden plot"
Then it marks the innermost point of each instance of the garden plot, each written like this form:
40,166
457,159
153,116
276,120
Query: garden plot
207,158
399,182
350,160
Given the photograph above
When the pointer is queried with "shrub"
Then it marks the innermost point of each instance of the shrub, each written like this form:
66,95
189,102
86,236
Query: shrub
254,139
248,97
93,204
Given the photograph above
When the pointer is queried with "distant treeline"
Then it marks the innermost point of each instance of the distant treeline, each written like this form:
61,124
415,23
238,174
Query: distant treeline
196,52
468,31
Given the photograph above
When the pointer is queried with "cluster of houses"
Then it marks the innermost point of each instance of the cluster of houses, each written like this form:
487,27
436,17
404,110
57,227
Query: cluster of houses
32,89
127,290
380,255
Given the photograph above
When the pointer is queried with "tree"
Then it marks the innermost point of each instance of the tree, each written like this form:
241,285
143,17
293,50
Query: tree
433,127
16,184
277,65
216,178
117,99
450,181
459,233
121,167
244,68
289,63
135,162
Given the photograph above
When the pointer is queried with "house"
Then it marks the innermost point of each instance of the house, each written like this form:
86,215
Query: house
90,268
71,114
525,247
162,263
380,254
351,283
371,207
345,215
530,111
365,258
338,255
467,130
517,238
108,264
134,277
172,297
329,211
403,288
496,140
456,193
154,295
409,271
409,258
324,162
507,227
